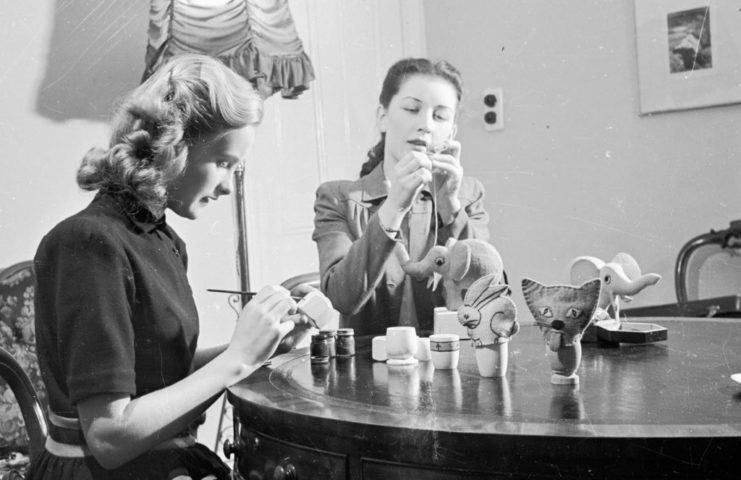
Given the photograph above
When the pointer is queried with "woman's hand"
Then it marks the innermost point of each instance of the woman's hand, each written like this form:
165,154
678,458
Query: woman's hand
410,174
447,173
295,337
264,321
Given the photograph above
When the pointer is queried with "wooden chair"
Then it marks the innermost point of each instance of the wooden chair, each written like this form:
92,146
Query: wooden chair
707,278
708,270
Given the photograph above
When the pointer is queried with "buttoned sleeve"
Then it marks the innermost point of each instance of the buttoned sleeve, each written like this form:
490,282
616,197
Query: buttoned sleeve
352,253
87,285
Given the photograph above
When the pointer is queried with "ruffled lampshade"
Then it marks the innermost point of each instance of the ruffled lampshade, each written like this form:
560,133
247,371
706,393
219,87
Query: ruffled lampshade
256,38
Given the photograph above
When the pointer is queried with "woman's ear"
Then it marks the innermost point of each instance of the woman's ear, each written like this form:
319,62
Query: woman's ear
381,119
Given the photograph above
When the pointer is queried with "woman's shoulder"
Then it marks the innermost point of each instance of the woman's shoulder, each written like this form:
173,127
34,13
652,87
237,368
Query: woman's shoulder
338,188
91,222
471,187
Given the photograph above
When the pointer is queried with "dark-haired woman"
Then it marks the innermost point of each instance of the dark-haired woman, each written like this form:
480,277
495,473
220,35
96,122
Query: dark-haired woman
116,324
411,190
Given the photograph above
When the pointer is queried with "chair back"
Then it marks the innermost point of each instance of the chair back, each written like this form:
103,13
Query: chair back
28,404
709,265
22,393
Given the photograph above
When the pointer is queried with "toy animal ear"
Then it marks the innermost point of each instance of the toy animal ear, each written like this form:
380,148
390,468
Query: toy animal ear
589,291
532,290
583,269
515,327
460,261
628,264
484,288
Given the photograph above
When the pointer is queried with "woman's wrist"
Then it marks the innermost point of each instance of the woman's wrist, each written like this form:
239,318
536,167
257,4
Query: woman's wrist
390,219
234,367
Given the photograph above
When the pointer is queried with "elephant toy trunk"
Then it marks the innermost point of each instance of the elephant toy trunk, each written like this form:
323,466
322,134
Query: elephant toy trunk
420,269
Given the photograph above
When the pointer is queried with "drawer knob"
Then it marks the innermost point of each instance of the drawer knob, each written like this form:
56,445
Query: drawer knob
230,447
249,445
285,471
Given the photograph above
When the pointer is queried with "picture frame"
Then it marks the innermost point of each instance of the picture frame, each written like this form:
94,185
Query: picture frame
689,53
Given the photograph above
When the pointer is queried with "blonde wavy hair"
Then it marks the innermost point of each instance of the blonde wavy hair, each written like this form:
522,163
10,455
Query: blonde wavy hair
191,97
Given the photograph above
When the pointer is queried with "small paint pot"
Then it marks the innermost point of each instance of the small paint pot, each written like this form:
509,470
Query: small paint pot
345,342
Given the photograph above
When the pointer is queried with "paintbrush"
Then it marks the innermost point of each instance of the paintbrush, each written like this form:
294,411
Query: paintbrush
241,292
252,294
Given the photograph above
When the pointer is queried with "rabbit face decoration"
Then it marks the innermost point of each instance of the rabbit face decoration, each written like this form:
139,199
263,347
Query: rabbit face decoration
488,313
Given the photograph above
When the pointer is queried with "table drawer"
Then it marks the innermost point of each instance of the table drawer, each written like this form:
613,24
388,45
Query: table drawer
266,458
375,469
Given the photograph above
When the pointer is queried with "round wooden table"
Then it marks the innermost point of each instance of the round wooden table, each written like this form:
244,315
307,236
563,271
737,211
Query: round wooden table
664,409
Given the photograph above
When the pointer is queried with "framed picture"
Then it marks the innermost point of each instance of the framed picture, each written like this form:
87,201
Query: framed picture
689,53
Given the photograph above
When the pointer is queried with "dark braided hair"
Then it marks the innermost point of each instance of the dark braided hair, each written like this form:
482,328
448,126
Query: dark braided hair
191,97
395,77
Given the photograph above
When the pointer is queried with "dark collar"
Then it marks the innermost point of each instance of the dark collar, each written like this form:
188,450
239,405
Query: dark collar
136,212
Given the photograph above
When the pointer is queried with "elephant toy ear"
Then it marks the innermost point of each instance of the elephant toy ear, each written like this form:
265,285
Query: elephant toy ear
585,268
460,261
628,264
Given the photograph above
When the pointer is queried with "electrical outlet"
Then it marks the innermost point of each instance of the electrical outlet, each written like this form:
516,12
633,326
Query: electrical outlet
493,111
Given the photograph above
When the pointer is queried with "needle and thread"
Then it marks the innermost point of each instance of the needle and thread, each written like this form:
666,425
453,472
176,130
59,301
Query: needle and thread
240,292
435,150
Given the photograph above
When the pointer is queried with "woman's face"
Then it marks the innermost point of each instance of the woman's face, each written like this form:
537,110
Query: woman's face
420,116
209,171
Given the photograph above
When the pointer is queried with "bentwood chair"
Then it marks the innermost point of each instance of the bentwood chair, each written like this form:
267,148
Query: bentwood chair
708,272
301,281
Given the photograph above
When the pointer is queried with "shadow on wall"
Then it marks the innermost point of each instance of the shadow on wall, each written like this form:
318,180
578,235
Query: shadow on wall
96,54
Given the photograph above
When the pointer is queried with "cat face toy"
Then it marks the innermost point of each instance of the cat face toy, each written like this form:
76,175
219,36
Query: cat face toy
562,312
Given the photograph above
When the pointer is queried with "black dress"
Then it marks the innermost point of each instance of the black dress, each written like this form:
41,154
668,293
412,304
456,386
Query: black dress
114,314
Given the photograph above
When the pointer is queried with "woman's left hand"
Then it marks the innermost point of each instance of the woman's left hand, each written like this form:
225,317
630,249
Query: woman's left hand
447,173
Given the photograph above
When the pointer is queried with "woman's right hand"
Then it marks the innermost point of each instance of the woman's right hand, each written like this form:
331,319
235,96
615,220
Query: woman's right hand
411,173
264,321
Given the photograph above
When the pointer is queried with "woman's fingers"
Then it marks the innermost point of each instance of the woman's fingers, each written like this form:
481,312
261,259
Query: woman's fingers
449,160
276,299
412,162
415,170
284,328
453,149
296,319
422,176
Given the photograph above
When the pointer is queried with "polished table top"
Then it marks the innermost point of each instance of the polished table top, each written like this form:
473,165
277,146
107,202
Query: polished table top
679,387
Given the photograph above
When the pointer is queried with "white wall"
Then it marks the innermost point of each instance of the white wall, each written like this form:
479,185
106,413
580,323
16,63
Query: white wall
576,170
71,59
40,153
